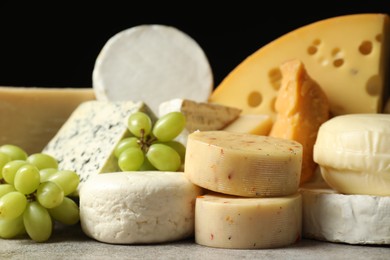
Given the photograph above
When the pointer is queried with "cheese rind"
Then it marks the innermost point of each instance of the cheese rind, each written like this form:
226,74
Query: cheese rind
86,142
31,116
353,152
152,63
351,70
138,207
353,219
247,223
243,164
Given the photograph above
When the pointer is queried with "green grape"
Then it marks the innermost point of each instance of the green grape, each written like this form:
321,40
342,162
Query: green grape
10,169
169,126
163,157
67,180
67,212
14,151
138,122
12,205
27,179
179,147
42,161
147,166
46,173
4,158
6,188
10,228
131,159
49,194
37,221
124,144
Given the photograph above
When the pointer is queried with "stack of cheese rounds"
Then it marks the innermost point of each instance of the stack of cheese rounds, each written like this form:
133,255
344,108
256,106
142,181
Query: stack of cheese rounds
253,199
353,152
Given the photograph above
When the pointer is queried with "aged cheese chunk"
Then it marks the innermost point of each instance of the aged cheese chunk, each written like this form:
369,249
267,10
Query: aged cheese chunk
86,142
353,219
251,124
243,164
353,152
301,108
152,63
199,115
247,223
347,55
31,116
138,207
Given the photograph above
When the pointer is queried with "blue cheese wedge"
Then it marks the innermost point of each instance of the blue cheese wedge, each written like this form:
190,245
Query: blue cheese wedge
86,141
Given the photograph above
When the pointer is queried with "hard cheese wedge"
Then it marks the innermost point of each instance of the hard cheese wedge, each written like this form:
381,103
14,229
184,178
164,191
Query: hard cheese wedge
30,117
353,219
86,142
247,223
251,124
301,108
346,55
243,164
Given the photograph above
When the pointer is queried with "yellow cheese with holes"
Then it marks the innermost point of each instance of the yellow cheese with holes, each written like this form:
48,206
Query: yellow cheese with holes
243,164
251,124
346,55
30,117
247,223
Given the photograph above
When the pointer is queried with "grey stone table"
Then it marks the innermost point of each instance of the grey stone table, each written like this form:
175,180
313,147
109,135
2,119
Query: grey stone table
71,243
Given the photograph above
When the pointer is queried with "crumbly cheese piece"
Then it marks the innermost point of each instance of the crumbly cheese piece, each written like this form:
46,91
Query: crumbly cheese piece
86,142
138,207
347,55
31,116
247,223
301,107
243,164
353,152
353,219
152,63
251,124
199,115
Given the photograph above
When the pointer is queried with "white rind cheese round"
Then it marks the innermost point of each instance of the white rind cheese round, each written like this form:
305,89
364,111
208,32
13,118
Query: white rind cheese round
138,207
353,152
152,63
353,219
243,164
247,223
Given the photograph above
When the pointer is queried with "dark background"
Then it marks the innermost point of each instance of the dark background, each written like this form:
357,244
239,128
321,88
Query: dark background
55,44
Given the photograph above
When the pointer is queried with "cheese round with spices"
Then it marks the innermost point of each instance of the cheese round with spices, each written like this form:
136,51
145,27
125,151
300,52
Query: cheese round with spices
243,164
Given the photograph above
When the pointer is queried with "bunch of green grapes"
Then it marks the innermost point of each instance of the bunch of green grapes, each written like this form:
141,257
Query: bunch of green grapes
34,194
152,146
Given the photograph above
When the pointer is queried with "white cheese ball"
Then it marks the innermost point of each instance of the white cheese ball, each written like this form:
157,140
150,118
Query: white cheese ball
138,207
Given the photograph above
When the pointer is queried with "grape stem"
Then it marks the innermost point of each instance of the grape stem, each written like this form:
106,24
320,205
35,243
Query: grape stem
145,141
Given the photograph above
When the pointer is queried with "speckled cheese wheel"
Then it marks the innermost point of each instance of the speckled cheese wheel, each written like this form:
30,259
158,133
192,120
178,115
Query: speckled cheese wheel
226,221
138,207
243,164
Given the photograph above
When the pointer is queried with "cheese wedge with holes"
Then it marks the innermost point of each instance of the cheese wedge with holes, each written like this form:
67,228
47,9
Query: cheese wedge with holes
152,63
353,152
342,218
199,115
87,140
351,70
31,116
243,164
301,107
247,223
251,124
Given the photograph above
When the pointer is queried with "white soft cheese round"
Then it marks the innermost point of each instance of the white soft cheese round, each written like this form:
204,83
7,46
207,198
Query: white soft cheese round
353,152
152,63
138,207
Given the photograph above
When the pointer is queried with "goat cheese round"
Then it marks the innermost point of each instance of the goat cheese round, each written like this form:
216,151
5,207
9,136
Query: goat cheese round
138,207
152,63
353,152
